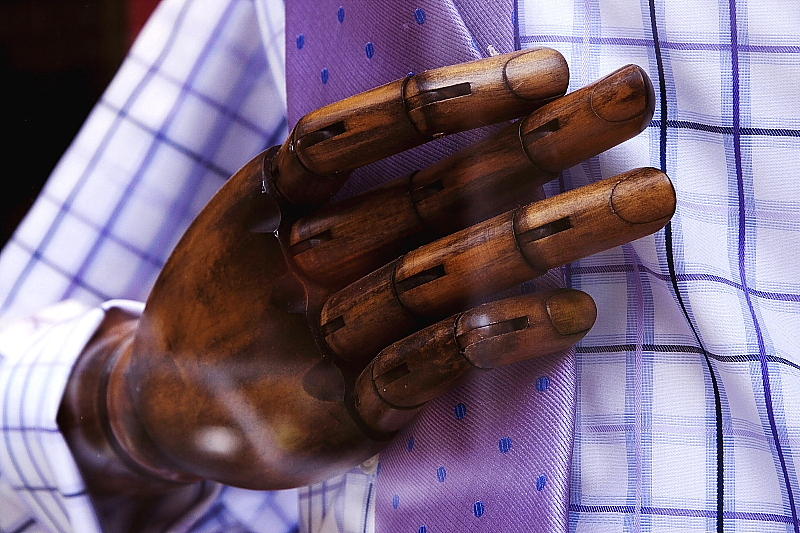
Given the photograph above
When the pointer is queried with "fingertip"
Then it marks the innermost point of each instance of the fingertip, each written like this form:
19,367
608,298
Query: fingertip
537,74
624,95
644,196
571,312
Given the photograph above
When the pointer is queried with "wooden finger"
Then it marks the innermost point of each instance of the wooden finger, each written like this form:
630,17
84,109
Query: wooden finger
341,242
327,143
424,365
454,272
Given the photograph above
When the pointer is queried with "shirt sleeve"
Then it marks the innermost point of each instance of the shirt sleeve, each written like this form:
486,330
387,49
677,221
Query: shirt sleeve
195,99
38,476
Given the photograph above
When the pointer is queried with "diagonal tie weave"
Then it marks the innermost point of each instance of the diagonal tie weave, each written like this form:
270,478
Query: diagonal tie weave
493,454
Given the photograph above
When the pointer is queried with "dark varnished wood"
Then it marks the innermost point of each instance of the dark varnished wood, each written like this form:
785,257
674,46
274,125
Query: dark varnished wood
412,371
456,271
282,345
126,497
341,242
328,143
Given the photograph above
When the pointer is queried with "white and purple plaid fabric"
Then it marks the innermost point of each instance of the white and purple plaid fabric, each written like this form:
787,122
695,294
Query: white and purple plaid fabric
688,399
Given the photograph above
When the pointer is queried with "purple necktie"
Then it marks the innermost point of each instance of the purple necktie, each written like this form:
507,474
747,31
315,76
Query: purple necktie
493,454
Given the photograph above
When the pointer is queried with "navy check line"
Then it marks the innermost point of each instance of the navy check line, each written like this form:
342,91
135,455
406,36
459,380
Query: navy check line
737,150
726,130
152,149
767,295
366,507
668,245
683,348
109,134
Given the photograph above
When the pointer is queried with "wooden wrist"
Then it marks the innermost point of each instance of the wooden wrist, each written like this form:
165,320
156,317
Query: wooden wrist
89,418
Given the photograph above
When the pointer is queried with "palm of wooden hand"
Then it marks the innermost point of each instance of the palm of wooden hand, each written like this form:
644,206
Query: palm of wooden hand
287,338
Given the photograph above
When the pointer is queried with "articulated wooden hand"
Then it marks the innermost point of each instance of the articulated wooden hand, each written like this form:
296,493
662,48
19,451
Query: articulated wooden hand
288,338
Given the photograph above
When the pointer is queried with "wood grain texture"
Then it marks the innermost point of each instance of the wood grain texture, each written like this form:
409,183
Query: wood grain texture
328,143
413,371
341,242
254,363
456,271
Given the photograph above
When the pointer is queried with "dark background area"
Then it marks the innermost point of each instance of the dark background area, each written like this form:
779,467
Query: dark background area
56,58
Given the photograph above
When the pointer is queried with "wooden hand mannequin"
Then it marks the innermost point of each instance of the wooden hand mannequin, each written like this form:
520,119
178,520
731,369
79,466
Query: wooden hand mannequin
287,338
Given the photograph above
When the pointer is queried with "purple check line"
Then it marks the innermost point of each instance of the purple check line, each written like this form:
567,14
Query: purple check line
194,502
670,45
781,296
320,489
180,206
5,415
277,510
38,257
215,512
23,526
737,152
158,138
43,488
203,97
673,511
680,428
156,261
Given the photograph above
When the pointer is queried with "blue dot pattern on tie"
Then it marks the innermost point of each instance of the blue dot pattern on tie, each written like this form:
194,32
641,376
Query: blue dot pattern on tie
419,14
301,41
423,529
441,474
541,482
324,75
369,48
340,14
478,509
461,411
543,383
476,45
505,444
410,445
395,501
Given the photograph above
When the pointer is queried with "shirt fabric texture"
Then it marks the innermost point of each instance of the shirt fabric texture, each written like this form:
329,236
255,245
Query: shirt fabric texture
687,410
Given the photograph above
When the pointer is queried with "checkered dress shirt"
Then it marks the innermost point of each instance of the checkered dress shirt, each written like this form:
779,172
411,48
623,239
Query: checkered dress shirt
688,404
